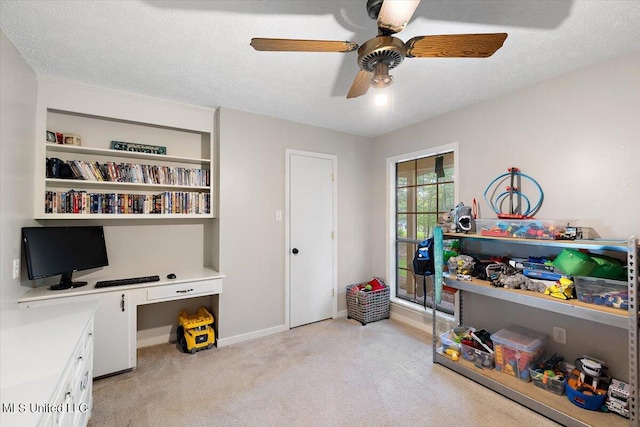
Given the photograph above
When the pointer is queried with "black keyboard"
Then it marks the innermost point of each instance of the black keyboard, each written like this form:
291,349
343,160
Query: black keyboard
129,281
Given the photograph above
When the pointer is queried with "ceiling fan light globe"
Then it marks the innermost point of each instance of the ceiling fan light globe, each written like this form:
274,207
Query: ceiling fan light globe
381,99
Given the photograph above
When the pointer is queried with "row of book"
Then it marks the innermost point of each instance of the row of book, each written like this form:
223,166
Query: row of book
168,202
127,172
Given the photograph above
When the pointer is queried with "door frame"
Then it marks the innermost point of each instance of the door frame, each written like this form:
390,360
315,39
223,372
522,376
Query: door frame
287,235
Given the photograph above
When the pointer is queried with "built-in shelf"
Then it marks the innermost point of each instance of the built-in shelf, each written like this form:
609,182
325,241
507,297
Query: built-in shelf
63,148
189,159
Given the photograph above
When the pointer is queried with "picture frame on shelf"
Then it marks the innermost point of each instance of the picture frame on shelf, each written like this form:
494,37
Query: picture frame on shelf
71,139
51,137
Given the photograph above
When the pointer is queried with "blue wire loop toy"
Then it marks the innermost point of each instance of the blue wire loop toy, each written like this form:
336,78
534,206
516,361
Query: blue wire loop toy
514,195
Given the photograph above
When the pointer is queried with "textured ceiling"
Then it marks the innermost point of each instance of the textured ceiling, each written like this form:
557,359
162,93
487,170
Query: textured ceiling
198,52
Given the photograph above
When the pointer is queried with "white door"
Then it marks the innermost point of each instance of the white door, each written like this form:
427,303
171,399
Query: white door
311,245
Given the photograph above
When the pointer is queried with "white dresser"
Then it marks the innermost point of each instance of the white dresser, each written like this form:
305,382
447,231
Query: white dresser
46,365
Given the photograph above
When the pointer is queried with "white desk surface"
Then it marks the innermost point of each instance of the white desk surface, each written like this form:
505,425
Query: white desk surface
36,347
186,276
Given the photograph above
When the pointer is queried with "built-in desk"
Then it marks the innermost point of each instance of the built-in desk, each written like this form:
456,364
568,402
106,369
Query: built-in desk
46,375
116,316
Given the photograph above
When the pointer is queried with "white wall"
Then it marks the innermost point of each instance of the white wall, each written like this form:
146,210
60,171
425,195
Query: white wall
17,136
576,134
252,188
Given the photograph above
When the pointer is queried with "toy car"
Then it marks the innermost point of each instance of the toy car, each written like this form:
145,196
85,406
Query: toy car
618,398
195,331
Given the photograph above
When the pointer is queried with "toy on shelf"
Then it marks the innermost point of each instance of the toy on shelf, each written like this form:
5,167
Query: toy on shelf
587,384
549,374
514,194
618,398
517,349
195,331
537,229
477,347
562,289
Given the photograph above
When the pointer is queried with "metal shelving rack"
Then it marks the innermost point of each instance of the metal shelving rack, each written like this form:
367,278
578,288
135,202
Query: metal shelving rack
559,410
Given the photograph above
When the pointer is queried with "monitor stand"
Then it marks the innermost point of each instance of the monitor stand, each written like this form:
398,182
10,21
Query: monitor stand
66,283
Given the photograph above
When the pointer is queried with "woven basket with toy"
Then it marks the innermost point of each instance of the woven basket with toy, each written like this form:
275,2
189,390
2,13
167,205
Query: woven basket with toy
368,302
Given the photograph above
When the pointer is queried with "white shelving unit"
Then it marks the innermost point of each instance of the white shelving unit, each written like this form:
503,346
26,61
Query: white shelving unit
558,408
98,117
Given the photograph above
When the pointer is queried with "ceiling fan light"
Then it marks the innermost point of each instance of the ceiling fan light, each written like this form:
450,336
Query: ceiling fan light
382,94
381,77
381,99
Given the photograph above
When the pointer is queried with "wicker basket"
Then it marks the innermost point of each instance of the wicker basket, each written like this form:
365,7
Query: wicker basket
367,306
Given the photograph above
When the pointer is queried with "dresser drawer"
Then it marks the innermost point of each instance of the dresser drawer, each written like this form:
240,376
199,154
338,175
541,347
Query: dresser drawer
184,290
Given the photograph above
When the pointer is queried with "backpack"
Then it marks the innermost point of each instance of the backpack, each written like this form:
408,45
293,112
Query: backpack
423,259
423,264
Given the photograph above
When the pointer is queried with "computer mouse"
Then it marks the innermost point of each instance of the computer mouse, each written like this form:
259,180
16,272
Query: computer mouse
171,276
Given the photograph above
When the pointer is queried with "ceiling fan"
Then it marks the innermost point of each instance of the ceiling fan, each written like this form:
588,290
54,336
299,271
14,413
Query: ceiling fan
382,53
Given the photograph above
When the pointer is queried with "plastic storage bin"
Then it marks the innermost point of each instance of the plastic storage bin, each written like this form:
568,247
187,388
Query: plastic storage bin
448,342
451,338
481,358
516,349
522,228
553,384
612,293
367,306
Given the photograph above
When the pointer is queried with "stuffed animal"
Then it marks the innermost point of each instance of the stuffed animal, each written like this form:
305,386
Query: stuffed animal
463,218
446,222
518,281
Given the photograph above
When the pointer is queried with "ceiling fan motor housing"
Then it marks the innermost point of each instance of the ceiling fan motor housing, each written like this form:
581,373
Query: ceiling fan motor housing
387,49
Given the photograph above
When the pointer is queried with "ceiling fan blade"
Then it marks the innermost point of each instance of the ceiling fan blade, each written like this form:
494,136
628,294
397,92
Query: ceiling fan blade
455,45
360,85
293,45
394,15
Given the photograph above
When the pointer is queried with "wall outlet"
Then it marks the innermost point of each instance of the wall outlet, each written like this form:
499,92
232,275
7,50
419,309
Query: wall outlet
560,335
16,268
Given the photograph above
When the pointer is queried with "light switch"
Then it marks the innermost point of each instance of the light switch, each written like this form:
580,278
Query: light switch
278,215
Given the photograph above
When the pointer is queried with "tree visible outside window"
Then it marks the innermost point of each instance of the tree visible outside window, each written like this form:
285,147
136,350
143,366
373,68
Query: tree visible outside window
421,197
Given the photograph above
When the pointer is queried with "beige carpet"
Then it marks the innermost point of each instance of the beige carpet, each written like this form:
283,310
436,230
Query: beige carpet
331,373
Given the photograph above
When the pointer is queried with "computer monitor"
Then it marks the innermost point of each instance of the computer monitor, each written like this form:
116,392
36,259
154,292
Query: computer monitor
50,251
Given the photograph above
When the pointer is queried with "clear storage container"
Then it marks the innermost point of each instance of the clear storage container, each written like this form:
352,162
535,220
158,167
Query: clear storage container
516,349
544,229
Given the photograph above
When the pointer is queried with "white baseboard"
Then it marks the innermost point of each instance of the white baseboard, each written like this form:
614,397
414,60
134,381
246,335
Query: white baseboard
406,313
343,313
424,326
222,342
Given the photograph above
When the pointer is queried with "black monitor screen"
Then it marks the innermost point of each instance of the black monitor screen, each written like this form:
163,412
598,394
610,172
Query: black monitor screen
50,251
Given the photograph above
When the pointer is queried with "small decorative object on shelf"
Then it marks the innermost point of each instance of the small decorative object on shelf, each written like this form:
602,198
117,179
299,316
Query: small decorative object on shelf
51,137
71,139
138,148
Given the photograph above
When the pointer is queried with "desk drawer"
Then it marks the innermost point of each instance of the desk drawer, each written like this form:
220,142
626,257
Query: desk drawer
185,290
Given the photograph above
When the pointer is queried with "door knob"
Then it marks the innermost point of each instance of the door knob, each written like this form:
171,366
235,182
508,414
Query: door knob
295,251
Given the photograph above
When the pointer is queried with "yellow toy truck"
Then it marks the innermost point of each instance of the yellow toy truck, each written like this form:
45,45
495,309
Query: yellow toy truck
195,331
